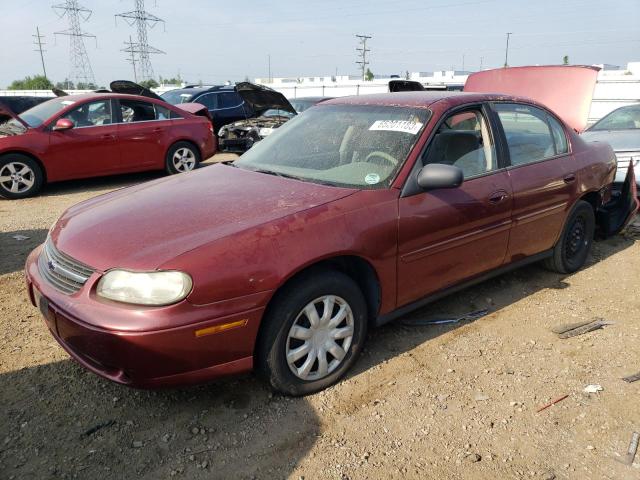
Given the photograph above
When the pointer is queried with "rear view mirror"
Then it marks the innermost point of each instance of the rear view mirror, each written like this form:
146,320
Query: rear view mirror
439,175
63,124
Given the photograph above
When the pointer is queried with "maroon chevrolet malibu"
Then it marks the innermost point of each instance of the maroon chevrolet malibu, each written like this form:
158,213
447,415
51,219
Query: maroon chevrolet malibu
349,215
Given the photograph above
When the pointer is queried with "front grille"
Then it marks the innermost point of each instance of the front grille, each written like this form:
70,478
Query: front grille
63,272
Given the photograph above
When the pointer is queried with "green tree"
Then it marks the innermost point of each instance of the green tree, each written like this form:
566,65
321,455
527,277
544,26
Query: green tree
86,86
66,85
37,82
151,83
368,76
565,60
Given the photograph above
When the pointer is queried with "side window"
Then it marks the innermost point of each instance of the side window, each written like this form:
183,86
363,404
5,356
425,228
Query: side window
463,140
209,100
229,100
162,113
559,137
528,133
91,114
137,111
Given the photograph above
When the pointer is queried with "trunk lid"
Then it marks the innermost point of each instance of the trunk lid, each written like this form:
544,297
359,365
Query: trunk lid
566,90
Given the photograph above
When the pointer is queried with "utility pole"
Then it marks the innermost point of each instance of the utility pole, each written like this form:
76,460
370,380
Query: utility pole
363,53
481,58
80,66
142,19
132,49
269,66
506,52
463,62
38,42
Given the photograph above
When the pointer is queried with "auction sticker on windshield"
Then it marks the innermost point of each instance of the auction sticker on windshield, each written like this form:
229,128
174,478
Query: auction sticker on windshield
405,126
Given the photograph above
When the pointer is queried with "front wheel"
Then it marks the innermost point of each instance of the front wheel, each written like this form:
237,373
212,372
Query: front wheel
20,176
573,247
313,333
182,157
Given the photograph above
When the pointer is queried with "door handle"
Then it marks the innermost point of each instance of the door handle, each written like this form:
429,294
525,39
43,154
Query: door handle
498,197
157,130
570,178
108,137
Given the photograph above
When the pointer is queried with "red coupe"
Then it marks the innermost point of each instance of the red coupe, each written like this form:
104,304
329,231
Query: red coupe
78,136
349,215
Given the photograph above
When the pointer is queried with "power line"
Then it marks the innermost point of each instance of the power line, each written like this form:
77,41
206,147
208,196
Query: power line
38,42
142,19
132,50
79,59
363,53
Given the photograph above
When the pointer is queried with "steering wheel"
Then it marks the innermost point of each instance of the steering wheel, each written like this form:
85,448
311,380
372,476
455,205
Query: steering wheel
384,156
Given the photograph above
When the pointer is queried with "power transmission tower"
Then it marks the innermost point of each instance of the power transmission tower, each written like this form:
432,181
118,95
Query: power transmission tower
80,66
38,42
363,53
132,49
142,19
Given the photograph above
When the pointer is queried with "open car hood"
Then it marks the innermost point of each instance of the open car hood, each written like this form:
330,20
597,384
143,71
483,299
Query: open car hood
194,108
566,90
130,88
7,114
261,98
405,86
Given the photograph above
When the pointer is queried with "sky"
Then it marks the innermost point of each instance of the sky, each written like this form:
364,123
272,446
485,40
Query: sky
214,41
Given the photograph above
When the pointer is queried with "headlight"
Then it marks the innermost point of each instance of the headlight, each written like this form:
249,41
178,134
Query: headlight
145,288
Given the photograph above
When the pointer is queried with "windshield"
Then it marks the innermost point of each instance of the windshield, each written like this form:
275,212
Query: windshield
625,118
301,105
344,145
175,97
36,116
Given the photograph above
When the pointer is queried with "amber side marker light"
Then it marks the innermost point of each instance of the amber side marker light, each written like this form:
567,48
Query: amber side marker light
220,328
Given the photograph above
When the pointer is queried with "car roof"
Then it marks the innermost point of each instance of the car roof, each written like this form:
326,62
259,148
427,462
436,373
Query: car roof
422,99
79,97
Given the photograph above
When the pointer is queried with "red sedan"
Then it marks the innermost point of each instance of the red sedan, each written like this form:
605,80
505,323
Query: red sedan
97,134
353,213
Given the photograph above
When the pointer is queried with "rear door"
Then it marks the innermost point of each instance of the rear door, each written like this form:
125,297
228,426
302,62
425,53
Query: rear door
143,134
542,173
90,147
449,235
230,109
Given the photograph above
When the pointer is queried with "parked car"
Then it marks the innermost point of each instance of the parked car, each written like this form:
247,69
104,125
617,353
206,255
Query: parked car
78,136
19,103
223,102
621,129
269,110
356,212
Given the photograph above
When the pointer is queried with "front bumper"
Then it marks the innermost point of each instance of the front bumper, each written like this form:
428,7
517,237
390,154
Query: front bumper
84,327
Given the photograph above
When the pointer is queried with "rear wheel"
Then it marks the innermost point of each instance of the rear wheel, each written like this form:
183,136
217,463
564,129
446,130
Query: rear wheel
313,333
182,157
20,176
573,247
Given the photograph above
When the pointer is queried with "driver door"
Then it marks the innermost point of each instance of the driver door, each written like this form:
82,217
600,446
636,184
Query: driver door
450,235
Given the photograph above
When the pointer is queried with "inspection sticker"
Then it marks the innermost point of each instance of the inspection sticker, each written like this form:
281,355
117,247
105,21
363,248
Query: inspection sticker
372,178
405,126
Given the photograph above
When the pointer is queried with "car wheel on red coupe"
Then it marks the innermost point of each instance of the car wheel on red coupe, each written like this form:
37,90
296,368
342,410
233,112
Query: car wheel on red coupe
313,333
572,249
182,157
20,176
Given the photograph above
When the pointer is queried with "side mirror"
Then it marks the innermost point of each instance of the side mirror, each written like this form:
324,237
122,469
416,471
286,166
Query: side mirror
438,175
63,124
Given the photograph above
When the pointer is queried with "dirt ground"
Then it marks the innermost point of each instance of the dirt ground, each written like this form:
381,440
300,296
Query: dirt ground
432,402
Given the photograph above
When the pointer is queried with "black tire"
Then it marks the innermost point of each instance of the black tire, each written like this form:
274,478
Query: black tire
194,154
572,249
287,308
28,179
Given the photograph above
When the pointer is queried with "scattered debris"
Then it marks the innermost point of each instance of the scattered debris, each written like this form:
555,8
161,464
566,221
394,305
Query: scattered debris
100,426
632,378
553,402
417,322
627,458
593,389
570,330
480,397
20,238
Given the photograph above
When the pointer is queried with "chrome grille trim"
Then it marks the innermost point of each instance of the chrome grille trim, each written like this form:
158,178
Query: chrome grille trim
61,271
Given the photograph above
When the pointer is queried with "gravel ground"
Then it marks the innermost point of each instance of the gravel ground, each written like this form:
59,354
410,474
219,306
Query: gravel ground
431,402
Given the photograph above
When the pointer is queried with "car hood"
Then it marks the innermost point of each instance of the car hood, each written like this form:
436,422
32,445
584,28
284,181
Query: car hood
566,90
261,98
620,140
144,227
